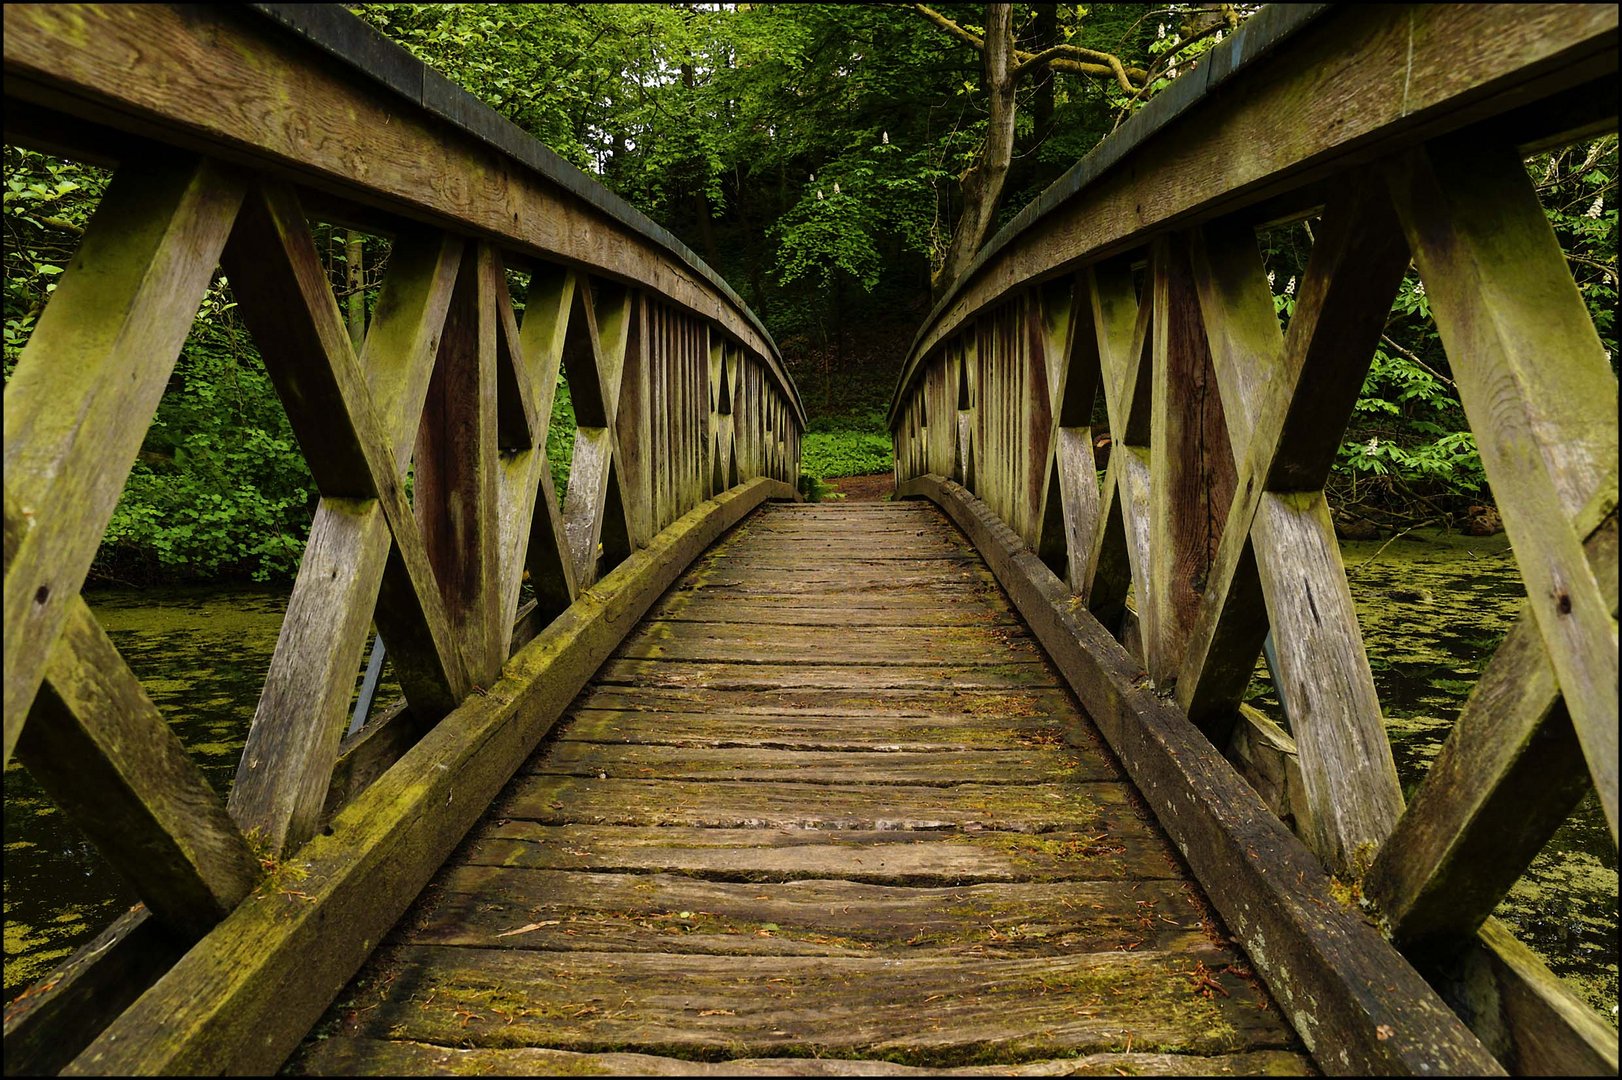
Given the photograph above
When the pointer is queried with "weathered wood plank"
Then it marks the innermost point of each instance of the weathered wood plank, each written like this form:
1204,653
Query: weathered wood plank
348,1057
1354,1001
480,907
242,999
1003,703
803,730
86,386
719,642
986,766
728,804
676,674
880,856
821,1005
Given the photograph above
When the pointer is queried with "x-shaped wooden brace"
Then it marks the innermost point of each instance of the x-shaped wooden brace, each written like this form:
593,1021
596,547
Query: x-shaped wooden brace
596,509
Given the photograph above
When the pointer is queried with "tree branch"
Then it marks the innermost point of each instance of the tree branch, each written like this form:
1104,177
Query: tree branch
1060,57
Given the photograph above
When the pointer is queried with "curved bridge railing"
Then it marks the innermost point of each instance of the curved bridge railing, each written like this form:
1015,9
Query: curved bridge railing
1137,276
229,130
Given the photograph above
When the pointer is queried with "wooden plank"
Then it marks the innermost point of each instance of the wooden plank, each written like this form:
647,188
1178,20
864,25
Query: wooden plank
108,759
1508,776
1346,763
86,386
283,775
1541,397
242,999
1004,704
822,1005
864,678
924,858
723,642
1355,1002
723,804
349,1057
945,731
986,766
167,73
571,911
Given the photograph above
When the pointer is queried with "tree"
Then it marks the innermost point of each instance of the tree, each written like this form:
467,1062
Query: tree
1005,64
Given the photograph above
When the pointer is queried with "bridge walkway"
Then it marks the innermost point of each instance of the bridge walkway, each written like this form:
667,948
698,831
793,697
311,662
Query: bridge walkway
829,800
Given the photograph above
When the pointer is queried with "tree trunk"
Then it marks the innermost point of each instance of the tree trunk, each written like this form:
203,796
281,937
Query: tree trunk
983,181
355,282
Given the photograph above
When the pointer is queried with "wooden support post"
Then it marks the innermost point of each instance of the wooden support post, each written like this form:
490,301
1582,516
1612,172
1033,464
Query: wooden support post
456,467
1191,464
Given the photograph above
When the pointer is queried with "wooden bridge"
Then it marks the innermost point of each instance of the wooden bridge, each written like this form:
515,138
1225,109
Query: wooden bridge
964,781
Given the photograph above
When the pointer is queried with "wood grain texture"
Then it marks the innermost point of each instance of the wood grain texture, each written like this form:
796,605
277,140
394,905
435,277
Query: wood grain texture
85,388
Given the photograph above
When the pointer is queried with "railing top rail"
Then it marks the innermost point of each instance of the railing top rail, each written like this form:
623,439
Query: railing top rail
370,62
1473,76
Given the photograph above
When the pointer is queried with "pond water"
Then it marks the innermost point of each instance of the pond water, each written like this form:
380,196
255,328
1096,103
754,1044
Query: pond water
1433,608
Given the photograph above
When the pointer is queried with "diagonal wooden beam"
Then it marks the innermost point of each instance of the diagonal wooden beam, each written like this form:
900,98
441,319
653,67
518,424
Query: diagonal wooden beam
595,510
1287,405
292,743
1541,399
532,534
109,759
1508,776
86,386
288,306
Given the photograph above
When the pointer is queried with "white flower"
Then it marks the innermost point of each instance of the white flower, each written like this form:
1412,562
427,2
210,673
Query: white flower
1599,204
1219,37
819,195
1373,444
1162,32
1270,279
1171,72
1289,288
1419,288
886,139
836,187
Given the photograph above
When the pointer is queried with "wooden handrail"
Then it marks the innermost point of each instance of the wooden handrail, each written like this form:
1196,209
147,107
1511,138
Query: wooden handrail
1404,128
230,129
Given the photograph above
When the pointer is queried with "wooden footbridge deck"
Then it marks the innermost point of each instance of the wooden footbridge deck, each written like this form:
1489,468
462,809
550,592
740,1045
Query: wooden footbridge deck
690,778
828,801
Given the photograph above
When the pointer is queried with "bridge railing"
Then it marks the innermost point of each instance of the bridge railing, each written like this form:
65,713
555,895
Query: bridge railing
1138,277
229,129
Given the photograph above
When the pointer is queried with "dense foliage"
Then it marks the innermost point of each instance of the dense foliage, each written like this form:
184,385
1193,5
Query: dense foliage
813,155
